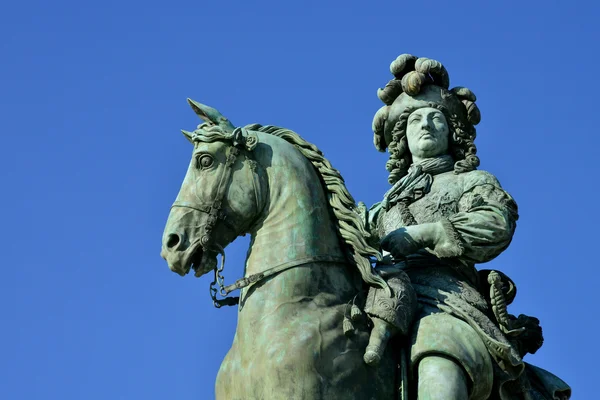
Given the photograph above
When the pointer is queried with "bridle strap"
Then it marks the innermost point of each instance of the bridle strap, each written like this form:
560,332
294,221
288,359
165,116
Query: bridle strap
254,278
204,209
214,212
255,183
187,204
214,209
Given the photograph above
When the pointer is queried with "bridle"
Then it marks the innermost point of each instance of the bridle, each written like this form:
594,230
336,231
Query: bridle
214,208
241,140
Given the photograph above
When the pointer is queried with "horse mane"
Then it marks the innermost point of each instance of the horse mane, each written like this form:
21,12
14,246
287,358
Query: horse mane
349,224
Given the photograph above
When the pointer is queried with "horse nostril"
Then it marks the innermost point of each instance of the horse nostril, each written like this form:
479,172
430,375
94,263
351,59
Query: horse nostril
173,240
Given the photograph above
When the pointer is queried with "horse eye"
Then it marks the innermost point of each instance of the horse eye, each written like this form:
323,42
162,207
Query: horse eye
204,161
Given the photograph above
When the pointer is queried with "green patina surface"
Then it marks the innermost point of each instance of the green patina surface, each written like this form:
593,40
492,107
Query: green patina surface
319,321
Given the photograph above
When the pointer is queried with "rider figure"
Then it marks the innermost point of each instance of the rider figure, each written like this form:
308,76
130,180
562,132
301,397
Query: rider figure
440,218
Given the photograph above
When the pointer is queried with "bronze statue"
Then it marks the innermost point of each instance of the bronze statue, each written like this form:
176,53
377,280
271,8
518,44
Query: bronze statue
323,313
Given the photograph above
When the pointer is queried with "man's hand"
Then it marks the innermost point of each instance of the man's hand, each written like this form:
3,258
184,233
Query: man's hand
400,243
405,241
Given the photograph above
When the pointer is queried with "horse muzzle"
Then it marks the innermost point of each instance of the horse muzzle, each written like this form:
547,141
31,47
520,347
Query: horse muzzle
181,260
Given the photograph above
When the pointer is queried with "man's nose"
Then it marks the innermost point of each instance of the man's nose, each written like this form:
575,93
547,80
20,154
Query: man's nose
425,123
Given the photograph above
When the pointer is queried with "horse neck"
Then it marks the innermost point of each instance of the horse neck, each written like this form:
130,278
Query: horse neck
296,224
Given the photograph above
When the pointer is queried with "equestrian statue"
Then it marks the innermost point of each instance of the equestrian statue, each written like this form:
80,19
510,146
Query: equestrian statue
341,301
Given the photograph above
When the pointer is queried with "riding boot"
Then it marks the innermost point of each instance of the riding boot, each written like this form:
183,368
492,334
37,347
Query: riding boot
390,315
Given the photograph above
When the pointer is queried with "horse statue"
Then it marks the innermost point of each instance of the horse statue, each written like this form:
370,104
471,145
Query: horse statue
307,261
304,331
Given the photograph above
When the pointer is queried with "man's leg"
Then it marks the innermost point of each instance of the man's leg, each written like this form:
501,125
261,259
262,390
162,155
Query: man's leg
440,378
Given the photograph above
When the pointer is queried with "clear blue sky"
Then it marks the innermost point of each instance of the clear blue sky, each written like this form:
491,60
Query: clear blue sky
92,100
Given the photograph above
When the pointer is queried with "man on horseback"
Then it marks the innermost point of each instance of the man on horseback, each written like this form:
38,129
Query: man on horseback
440,218
311,253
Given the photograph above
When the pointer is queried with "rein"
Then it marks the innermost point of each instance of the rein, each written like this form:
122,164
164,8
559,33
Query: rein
258,277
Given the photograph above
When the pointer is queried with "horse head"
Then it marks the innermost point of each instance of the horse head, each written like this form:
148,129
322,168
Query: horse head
219,197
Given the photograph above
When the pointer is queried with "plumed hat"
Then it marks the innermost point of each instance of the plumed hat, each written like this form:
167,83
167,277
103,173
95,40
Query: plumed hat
418,83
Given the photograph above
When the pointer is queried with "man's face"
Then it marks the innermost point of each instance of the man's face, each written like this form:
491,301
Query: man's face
427,133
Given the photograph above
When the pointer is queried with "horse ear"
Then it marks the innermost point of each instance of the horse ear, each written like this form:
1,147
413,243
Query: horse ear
211,116
188,135
206,113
